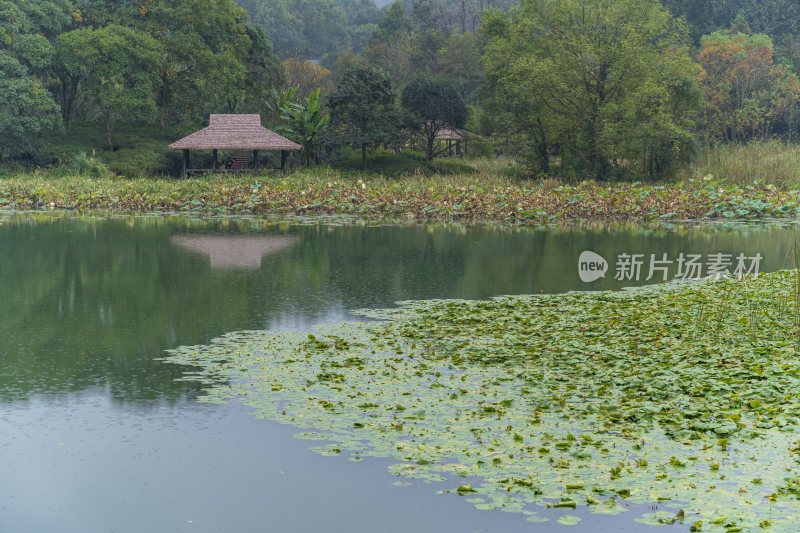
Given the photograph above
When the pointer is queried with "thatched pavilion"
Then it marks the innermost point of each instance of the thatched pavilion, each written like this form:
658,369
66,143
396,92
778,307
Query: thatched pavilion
450,134
234,132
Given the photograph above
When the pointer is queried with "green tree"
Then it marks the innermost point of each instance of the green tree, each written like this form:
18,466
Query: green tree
116,68
363,109
395,22
212,58
776,18
459,61
27,111
262,71
302,28
431,15
395,57
434,104
584,77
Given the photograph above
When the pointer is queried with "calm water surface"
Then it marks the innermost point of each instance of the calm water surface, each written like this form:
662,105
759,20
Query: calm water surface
97,436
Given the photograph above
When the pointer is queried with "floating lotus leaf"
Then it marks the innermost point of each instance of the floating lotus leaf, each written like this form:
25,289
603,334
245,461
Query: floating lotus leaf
684,393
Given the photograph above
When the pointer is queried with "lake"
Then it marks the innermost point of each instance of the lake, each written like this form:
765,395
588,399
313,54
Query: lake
96,434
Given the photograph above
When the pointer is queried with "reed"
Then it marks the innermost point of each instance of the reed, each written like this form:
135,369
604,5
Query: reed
774,161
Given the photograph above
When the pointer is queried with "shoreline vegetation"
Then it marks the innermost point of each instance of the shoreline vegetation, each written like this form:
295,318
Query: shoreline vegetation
750,182
470,198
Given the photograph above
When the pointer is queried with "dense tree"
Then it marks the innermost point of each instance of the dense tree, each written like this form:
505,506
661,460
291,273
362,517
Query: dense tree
584,76
303,28
431,15
459,61
282,24
746,93
360,37
363,110
451,16
27,31
359,12
776,18
116,68
27,111
395,22
395,57
705,16
211,60
434,104
262,71
307,77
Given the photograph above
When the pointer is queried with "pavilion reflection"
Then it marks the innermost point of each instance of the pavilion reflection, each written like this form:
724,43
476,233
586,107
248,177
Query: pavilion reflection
235,251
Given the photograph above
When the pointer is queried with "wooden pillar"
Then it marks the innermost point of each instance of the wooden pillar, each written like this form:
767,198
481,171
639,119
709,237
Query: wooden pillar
255,159
185,163
214,165
284,153
449,147
458,147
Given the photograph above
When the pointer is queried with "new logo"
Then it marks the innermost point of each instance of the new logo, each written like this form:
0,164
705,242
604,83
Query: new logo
591,267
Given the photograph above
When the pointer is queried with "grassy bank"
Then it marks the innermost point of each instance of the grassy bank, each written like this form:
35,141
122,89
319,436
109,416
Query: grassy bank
776,162
483,195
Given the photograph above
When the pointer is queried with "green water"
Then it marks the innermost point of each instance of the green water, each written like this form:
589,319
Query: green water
96,434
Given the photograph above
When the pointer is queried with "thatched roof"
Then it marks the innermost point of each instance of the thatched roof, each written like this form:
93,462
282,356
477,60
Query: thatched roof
450,134
234,132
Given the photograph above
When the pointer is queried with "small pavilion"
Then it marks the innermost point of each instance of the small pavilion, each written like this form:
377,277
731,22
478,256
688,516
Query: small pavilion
234,132
450,134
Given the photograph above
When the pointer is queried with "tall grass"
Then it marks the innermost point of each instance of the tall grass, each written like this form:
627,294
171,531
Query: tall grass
487,174
775,161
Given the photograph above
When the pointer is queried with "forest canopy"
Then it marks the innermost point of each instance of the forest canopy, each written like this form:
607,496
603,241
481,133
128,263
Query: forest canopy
603,89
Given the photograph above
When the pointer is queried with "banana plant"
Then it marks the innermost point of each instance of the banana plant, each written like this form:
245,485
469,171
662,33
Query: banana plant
303,121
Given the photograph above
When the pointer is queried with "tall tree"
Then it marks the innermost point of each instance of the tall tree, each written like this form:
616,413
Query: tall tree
395,22
302,28
434,104
588,73
459,61
363,109
27,111
746,93
212,58
116,66
395,57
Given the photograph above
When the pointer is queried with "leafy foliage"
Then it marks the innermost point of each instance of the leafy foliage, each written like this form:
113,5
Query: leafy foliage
26,107
307,77
116,66
212,58
606,85
395,22
363,111
27,112
747,95
434,104
304,120
308,28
